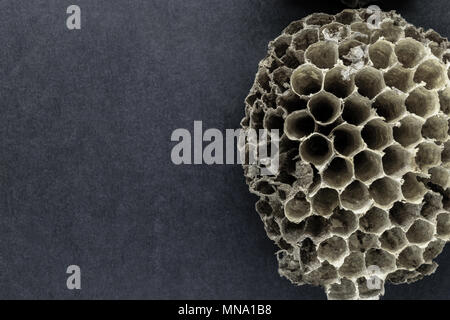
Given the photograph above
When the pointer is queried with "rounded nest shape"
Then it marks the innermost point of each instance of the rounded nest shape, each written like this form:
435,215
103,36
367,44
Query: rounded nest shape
362,190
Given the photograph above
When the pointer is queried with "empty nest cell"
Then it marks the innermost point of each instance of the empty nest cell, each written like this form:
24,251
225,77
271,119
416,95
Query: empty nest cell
357,109
421,231
299,124
409,52
337,84
324,107
355,196
343,222
393,240
338,173
397,160
323,54
297,208
375,220
432,72
408,132
410,257
368,165
380,258
316,149
422,102
306,80
390,105
436,128
399,78
381,54
369,82
332,249
412,189
428,155
347,139
385,191
377,134
325,201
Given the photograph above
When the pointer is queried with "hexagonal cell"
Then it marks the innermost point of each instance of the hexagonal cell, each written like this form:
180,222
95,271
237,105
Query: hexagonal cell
319,19
345,290
397,160
357,109
389,30
436,128
381,259
332,249
354,265
409,131
263,208
420,232
404,214
306,80
444,100
323,54
428,155
377,134
281,44
363,30
375,220
299,124
409,52
316,149
410,257
292,232
370,82
294,27
440,176
368,165
355,196
433,249
291,102
432,72
343,222
400,78
382,54
369,293
393,240
432,205
336,84
325,201
339,173
308,254
325,107
422,102
443,225
317,227
361,242
297,208
325,275
347,16
412,189
345,48
385,191
333,31
390,105
263,187
347,139
305,38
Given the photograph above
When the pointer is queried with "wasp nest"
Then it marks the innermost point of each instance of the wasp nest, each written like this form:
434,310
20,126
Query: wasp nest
362,191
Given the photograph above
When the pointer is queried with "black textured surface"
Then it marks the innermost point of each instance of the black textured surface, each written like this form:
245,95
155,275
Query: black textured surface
85,124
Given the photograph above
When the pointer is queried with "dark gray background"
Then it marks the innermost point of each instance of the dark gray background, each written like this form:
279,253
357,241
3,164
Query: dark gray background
85,124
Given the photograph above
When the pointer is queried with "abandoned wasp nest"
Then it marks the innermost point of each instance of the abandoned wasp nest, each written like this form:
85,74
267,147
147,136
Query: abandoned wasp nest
362,190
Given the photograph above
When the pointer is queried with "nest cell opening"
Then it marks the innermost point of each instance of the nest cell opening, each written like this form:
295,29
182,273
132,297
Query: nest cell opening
368,165
347,140
370,82
306,80
299,124
325,108
339,173
316,149
377,134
